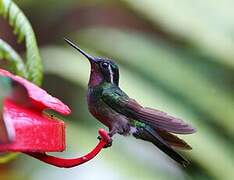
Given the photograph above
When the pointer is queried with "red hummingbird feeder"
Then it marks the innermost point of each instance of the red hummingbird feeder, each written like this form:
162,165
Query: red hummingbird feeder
27,129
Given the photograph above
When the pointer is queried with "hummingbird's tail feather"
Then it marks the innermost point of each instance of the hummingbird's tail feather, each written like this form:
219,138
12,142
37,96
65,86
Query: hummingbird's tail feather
174,141
148,134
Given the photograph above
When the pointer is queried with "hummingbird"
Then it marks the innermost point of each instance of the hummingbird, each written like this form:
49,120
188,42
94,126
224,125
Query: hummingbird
8,88
125,116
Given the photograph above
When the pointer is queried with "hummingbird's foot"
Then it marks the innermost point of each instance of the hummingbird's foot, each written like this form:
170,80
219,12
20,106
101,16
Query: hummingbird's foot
99,138
103,135
108,144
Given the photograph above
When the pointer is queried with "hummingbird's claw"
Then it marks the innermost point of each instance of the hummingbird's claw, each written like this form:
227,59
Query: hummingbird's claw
99,137
109,144
103,135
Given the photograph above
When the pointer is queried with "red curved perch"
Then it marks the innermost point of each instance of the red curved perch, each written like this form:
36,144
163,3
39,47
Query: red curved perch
68,163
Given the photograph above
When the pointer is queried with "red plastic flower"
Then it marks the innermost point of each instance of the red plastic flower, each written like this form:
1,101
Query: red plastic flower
25,128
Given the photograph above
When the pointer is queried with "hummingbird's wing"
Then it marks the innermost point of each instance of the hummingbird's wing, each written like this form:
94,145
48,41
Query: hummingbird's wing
6,131
6,128
120,102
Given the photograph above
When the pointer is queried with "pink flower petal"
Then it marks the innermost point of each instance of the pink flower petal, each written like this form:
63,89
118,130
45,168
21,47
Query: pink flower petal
38,96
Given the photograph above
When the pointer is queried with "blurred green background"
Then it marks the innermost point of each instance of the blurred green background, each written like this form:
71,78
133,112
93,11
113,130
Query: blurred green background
177,56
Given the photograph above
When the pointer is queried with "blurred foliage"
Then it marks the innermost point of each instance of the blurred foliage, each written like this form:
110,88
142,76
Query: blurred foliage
206,25
23,30
15,61
174,56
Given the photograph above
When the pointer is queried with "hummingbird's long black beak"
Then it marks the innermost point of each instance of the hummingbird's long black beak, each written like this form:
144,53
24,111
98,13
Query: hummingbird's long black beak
89,57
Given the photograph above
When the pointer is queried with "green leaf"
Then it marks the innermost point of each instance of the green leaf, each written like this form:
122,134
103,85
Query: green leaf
206,25
7,157
24,31
9,54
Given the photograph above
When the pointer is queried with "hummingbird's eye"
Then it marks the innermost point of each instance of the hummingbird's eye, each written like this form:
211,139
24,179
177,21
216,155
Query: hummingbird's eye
105,65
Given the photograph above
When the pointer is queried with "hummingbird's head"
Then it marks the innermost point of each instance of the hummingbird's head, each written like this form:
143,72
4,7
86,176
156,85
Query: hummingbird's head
102,69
